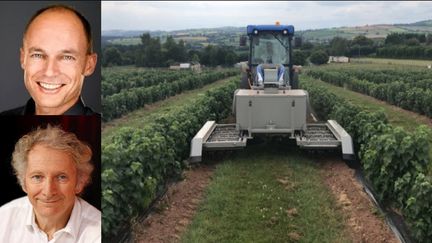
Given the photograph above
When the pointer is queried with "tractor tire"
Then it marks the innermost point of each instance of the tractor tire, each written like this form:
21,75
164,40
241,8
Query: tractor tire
244,83
295,83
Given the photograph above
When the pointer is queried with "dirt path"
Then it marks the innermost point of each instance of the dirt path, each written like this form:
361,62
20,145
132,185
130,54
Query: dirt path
364,221
176,209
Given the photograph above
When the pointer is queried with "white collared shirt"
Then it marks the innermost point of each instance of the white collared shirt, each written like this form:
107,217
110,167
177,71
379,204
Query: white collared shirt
17,224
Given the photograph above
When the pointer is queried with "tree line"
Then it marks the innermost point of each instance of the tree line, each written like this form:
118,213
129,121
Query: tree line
395,45
151,52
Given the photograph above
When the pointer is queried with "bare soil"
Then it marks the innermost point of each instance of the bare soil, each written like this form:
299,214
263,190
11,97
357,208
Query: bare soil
176,209
363,220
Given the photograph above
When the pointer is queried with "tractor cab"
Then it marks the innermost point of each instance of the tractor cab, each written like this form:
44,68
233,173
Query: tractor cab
270,57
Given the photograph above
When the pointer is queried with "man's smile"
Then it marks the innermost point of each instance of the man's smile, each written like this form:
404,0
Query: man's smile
49,86
49,201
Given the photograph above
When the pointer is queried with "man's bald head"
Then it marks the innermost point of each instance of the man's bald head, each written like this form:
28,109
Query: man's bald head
63,8
56,56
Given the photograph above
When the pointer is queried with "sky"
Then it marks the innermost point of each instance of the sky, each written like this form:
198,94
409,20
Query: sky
178,15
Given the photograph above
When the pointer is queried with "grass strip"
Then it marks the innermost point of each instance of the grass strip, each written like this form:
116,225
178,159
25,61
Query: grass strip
389,61
267,193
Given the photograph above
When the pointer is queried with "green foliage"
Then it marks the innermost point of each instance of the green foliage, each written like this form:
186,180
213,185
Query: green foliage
319,57
299,57
323,102
418,207
111,57
394,160
405,51
362,40
307,46
173,51
136,162
338,46
391,155
150,52
218,55
404,38
116,80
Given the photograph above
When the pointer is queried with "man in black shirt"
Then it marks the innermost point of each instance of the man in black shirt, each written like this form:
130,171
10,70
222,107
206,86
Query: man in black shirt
29,109
56,56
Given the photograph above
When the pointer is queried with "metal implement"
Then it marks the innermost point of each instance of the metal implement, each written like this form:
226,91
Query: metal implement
318,135
214,136
270,103
328,135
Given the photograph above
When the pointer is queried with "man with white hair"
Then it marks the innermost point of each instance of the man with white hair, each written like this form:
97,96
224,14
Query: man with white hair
53,167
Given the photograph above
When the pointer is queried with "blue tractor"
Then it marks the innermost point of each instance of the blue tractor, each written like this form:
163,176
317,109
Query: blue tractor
269,102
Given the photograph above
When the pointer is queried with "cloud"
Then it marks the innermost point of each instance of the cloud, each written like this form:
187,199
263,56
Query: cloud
168,15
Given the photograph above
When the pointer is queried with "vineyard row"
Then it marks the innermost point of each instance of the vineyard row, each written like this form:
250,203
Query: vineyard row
114,82
394,160
131,99
399,93
138,162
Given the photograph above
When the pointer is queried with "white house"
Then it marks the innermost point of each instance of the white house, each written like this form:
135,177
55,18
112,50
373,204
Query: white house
338,59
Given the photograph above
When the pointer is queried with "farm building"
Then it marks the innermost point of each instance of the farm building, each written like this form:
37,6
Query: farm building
339,59
187,66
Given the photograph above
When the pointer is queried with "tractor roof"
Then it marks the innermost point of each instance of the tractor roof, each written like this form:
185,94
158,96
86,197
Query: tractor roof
270,28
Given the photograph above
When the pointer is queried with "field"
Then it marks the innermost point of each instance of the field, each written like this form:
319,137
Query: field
129,152
192,38
271,192
397,62
125,90
408,89
126,41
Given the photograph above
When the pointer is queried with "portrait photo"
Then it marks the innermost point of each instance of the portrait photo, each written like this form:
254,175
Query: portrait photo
50,171
51,58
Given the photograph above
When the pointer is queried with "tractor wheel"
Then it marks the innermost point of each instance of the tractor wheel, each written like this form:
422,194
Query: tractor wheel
295,83
244,83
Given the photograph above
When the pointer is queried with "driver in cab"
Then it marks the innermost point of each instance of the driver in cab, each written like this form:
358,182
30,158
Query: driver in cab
270,57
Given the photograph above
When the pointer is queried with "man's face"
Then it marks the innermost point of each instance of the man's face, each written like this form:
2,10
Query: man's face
55,61
51,182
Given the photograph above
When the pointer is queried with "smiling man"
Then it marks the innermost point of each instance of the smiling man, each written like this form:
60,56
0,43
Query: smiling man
53,167
56,56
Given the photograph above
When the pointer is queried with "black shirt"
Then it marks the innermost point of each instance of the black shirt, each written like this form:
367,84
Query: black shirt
29,109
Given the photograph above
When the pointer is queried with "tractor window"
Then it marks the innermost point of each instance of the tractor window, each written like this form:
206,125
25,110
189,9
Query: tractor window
270,48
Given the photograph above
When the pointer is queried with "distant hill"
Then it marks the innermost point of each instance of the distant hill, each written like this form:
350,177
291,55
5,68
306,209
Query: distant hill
421,23
379,31
230,35
135,33
127,33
